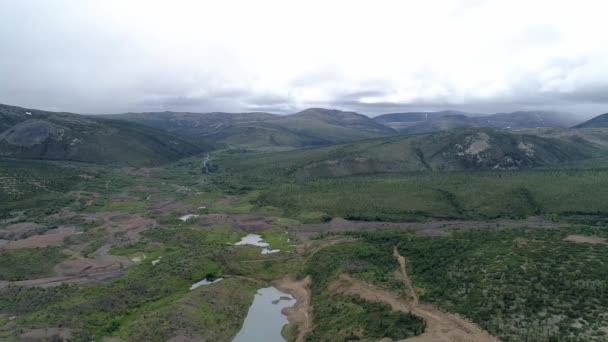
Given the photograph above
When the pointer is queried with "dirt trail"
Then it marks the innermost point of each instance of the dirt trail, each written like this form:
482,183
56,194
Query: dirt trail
303,248
440,326
299,314
402,275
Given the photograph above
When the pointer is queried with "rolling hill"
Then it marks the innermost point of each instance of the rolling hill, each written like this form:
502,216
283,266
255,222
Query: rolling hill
35,134
600,121
417,122
453,150
311,127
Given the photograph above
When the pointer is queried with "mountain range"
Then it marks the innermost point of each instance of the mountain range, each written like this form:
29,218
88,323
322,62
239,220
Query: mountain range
157,137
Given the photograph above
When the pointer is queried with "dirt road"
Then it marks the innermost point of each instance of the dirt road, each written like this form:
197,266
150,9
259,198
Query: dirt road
440,326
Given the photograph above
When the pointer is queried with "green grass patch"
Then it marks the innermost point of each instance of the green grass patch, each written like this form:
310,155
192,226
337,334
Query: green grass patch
29,263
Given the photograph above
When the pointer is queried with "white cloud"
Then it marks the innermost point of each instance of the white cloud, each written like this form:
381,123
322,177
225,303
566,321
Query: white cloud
119,55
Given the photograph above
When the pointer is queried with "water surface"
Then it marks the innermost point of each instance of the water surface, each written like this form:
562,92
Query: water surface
264,320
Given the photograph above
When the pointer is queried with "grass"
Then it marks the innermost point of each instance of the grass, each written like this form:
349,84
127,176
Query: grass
215,312
29,263
277,240
414,197
134,207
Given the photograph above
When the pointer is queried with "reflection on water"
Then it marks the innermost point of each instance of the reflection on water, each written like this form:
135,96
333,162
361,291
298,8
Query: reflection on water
264,320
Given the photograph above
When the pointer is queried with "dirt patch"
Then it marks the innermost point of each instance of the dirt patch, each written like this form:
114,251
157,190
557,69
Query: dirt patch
124,198
84,196
87,279
521,241
170,207
594,240
246,223
53,237
20,230
301,313
129,227
79,266
46,334
226,201
435,228
144,171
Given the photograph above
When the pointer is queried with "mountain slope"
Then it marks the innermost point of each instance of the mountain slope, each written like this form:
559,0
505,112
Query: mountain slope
311,127
35,134
453,150
414,123
600,121
192,124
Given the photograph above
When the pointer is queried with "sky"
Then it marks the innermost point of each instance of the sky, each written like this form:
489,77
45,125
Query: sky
373,57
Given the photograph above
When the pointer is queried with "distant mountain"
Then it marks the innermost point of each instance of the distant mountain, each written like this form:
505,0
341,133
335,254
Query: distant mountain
36,134
453,150
413,123
192,124
600,121
402,121
311,127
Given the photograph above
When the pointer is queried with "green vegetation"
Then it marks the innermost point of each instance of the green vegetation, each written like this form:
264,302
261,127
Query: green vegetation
477,196
23,300
343,317
29,263
72,137
517,283
454,150
214,312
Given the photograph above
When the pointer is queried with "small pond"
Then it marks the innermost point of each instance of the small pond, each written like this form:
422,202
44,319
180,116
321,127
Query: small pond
264,320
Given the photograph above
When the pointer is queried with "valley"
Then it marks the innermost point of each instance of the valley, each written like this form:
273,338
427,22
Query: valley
471,234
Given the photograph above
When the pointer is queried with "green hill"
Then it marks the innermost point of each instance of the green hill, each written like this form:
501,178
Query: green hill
600,121
453,150
35,134
420,122
311,127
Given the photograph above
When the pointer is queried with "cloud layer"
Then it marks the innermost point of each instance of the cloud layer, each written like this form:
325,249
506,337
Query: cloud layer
281,56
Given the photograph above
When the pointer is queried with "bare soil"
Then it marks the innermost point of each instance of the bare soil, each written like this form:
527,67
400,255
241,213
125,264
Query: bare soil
228,200
19,230
53,237
246,223
144,171
170,207
46,334
301,313
594,240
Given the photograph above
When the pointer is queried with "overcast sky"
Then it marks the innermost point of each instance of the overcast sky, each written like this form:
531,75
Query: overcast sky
109,56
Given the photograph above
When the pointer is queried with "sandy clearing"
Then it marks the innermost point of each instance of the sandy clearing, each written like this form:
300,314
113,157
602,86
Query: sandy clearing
594,240
301,313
